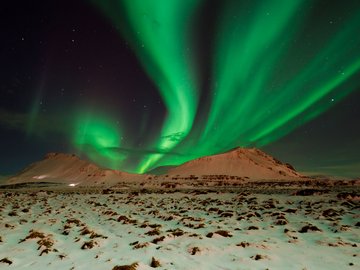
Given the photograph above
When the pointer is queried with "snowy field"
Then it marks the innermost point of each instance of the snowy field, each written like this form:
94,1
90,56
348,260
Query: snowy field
193,229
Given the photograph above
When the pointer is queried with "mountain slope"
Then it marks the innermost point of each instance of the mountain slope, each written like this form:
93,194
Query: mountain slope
3,178
161,170
65,168
251,163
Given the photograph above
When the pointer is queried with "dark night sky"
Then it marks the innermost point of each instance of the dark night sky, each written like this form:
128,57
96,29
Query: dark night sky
92,77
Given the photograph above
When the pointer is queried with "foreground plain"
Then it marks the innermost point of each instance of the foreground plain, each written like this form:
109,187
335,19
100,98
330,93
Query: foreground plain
220,228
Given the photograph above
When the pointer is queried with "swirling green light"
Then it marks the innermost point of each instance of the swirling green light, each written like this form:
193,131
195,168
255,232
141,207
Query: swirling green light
99,138
159,32
271,73
253,104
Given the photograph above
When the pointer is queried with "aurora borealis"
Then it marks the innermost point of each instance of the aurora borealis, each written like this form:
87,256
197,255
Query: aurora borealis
138,84
159,34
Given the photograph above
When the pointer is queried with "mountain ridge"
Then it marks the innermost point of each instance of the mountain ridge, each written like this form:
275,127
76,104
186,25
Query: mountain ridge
244,163
70,169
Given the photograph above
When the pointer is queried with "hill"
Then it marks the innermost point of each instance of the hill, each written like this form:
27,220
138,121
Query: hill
70,169
246,163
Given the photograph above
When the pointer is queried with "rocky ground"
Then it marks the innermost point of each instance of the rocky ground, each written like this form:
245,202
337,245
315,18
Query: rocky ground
260,227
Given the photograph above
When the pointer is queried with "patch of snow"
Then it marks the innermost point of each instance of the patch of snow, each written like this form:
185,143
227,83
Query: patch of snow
39,177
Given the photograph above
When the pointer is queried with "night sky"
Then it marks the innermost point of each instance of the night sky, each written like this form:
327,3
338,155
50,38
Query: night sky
137,84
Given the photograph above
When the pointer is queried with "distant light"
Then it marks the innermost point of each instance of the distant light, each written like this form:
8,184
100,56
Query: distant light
39,177
72,185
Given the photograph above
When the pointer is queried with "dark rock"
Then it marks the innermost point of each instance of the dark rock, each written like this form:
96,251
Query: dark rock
281,222
88,245
126,267
155,263
223,233
308,228
194,250
158,239
348,195
243,244
290,210
257,257
309,192
330,213
6,260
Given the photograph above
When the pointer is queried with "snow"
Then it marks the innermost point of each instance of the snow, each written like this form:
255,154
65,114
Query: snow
162,212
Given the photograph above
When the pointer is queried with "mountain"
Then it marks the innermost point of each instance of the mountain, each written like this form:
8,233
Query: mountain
247,163
161,170
70,169
3,178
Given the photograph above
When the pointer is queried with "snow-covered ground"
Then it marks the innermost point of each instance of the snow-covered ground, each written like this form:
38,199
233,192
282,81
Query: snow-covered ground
192,229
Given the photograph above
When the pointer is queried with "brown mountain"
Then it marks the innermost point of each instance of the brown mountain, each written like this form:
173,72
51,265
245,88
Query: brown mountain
70,169
249,163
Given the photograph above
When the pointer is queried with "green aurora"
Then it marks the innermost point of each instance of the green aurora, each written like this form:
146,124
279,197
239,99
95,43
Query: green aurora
159,33
98,137
265,82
